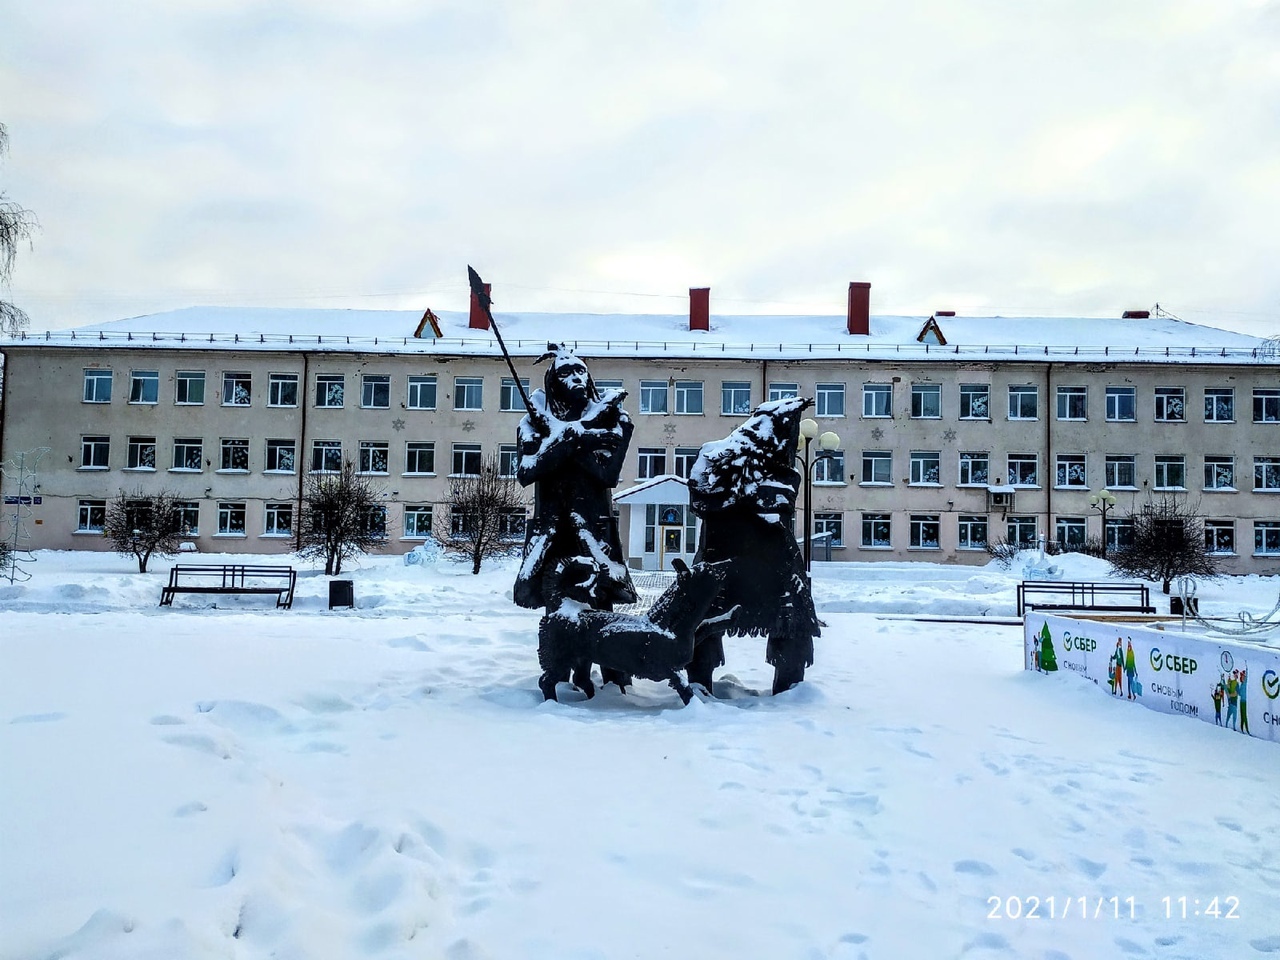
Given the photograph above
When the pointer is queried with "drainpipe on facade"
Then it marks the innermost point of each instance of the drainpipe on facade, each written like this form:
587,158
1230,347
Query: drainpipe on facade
764,381
300,457
1050,467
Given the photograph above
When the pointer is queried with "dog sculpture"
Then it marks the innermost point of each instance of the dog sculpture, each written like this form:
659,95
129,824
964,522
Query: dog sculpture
655,645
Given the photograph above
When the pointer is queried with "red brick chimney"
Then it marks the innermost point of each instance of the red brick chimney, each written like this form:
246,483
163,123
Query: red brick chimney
699,308
859,308
478,319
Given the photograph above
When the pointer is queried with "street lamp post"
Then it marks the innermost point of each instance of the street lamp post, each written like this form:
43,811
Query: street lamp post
1103,501
828,443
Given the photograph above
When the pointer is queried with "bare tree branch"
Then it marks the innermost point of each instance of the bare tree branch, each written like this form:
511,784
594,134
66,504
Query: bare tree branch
141,524
485,516
343,514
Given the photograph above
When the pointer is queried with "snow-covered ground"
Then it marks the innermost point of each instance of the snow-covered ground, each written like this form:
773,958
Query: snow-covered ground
235,781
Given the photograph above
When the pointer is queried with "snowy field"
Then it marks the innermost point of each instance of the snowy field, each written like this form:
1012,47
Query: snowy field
236,781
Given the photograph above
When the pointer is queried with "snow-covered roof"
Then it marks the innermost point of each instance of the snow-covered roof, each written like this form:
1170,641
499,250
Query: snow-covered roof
1154,339
666,488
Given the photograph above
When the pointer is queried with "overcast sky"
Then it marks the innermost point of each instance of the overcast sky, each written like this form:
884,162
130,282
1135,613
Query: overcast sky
1014,158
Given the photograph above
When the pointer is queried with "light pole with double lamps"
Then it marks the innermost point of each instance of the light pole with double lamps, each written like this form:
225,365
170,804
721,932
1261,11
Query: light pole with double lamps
1103,501
828,444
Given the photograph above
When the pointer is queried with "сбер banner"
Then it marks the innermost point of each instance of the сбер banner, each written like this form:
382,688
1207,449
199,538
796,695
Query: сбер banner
1235,685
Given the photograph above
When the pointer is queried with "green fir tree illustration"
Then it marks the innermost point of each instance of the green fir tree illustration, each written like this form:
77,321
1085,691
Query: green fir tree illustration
1048,659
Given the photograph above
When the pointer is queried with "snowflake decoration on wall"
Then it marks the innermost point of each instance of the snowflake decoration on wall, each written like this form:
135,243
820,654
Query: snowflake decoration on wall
669,429
877,434
949,435
397,425
468,425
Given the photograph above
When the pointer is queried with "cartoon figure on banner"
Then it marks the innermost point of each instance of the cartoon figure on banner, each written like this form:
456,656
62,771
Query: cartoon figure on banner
1115,669
1244,704
1233,699
1219,694
1131,672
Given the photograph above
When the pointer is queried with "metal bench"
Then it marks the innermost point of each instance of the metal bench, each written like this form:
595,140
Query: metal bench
231,578
1066,595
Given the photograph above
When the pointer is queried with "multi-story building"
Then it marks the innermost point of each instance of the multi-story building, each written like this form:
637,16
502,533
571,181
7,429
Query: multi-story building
955,431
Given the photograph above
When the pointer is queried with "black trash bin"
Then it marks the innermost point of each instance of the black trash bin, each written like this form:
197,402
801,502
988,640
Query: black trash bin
1193,606
342,593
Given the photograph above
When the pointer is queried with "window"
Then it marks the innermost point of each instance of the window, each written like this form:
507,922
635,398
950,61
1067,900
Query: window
829,400
374,456
603,385
1220,536
417,521
1119,533
1022,470
1023,401
188,518
326,456
653,396
278,520
876,530
95,452
783,391
375,391
92,516
1070,532
188,453
330,390
1266,537
926,400
468,393
1073,403
461,521
830,523
1171,473
924,531
975,401
975,468
509,397
829,468
1121,403
420,457
508,460
877,466
685,458
189,385
1219,405
142,453
282,456
97,386
1022,531
373,521
1171,404
231,519
877,400
237,389
1266,406
511,523
735,397
144,386
924,466
653,462
1266,473
466,459
1071,471
972,533
688,396
1120,472
282,390
1220,473
422,393
235,455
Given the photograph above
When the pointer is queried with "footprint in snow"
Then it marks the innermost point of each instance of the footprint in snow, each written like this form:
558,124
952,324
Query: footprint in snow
975,867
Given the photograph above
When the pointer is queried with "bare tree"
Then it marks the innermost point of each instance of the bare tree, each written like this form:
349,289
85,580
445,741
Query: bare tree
1168,542
486,514
141,524
16,225
343,514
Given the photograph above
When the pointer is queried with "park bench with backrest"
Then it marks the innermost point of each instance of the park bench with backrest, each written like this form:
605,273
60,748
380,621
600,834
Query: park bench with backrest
1068,595
231,578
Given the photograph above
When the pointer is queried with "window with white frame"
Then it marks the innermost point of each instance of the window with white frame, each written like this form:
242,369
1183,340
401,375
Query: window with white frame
237,389
1023,470
830,523
188,454
877,531
189,387
1219,405
1024,401
877,400
144,386
282,390
373,521
142,453
1022,531
1072,471
509,395
508,459
1266,474
331,390
95,452
653,396
683,460
1120,471
1266,406
511,523
829,467
375,457
924,531
91,516
877,466
468,393
1220,537
420,457
326,456
1119,533
1073,403
97,386
1171,472
231,518
975,468
235,455
603,385
417,521
375,391
188,516
277,519
1266,537
1070,532
925,467
1171,404
971,532
1219,473
782,390
652,462
926,401
688,396
975,401
735,397
282,456
1122,404
829,400
422,393
466,460
462,521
